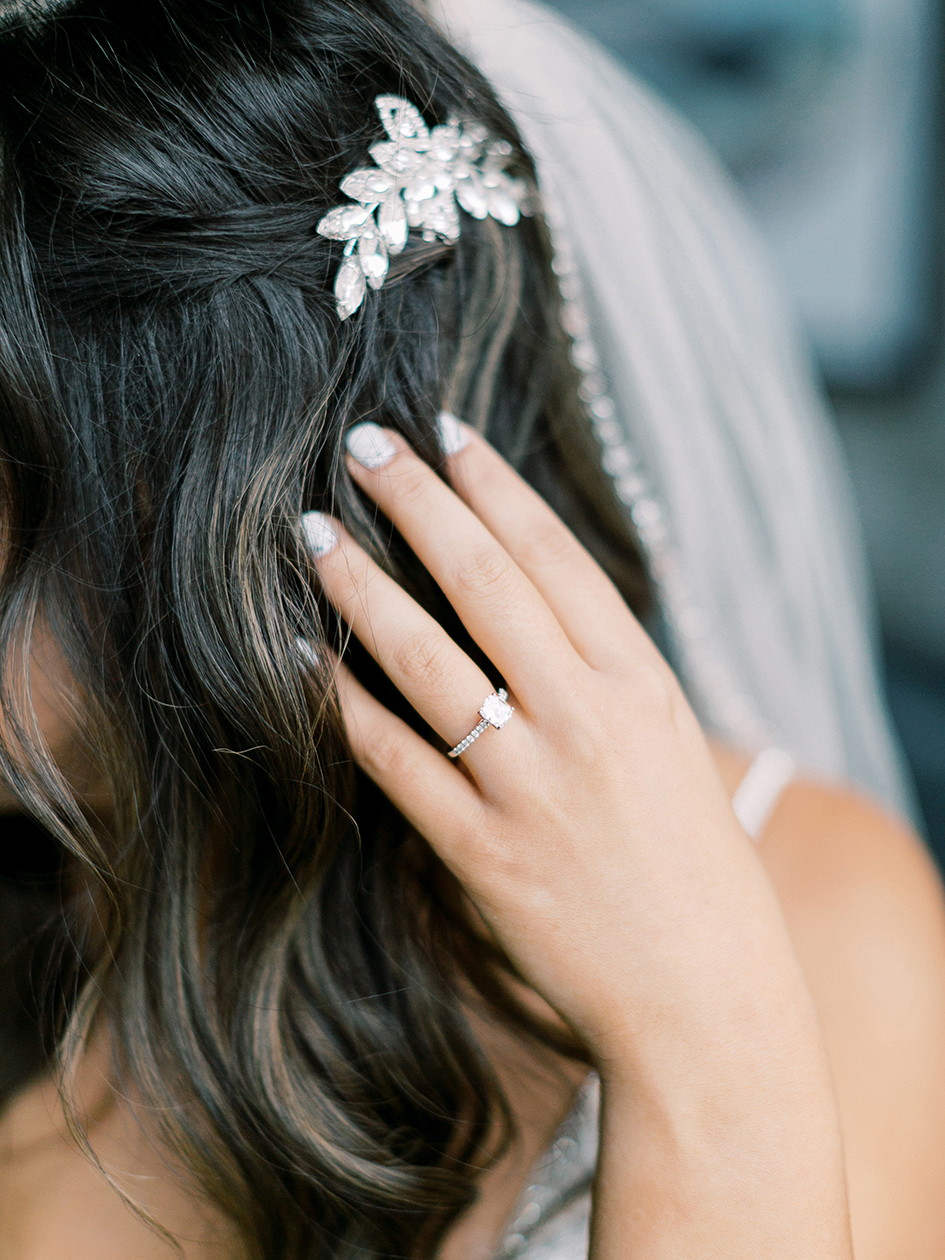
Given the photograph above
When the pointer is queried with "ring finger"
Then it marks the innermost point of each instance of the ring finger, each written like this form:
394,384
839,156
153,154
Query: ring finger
433,673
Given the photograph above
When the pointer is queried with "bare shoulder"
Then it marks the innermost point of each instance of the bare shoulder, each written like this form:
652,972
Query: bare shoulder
864,902
864,905
828,847
834,842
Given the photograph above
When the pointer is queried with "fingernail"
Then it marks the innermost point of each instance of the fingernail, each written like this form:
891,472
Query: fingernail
319,532
453,436
306,651
370,445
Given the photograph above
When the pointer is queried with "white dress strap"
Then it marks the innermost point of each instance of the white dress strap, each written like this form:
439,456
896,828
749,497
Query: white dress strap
760,790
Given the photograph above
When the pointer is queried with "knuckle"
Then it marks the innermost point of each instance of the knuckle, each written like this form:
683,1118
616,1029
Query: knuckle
544,543
424,657
385,752
483,572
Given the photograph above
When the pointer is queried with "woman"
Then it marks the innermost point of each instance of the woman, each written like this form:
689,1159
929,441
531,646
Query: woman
308,1010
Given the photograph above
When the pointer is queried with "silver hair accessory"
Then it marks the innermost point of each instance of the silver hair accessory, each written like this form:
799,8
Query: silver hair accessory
494,711
421,176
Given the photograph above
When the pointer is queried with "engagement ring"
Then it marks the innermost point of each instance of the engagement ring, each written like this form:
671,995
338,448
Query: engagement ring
494,711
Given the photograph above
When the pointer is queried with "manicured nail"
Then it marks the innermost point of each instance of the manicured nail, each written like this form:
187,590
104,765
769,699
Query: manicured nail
319,532
453,436
306,651
370,445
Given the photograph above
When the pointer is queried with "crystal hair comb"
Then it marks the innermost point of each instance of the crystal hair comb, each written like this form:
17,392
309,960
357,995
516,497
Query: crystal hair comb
420,179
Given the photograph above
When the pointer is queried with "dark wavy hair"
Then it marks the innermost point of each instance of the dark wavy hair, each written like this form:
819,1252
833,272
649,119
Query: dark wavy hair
277,957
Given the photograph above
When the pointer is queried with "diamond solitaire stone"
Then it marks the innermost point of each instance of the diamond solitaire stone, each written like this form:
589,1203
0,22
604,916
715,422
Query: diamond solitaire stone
495,710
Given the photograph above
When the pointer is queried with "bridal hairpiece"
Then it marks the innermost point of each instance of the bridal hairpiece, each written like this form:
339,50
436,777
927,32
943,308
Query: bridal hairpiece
420,179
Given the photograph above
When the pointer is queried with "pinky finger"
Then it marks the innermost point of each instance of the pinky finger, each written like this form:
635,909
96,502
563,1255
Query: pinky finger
429,791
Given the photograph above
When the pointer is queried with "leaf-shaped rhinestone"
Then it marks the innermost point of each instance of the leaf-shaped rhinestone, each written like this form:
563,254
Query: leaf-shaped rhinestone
350,287
343,223
401,119
471,193
396,159
368,186
503,206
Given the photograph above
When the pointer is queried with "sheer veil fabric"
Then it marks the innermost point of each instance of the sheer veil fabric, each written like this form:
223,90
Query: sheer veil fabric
774,638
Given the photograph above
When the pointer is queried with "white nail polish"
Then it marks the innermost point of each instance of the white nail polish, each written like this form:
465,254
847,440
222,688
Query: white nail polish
453,437
370,445
319,533
306,651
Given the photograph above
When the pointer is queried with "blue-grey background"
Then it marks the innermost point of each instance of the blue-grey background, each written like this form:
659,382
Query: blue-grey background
829,114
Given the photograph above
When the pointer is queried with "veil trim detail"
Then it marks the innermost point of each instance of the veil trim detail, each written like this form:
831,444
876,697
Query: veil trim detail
727,708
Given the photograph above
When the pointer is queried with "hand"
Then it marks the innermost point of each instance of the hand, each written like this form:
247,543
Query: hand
592,832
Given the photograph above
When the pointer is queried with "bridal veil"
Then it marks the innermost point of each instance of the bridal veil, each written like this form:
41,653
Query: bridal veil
746,512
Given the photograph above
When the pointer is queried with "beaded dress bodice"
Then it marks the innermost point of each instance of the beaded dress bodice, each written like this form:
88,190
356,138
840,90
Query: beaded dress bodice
552,1219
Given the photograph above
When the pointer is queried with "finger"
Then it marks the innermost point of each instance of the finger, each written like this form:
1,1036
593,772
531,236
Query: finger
589,608
433,673
429,791
496,602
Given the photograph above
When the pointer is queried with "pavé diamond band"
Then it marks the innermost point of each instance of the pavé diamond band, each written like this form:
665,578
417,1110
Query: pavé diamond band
494,711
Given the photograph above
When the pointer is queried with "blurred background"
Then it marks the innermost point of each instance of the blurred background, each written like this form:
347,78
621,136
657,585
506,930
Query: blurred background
829,113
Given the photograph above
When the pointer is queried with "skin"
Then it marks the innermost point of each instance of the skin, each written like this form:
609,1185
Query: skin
768,1022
